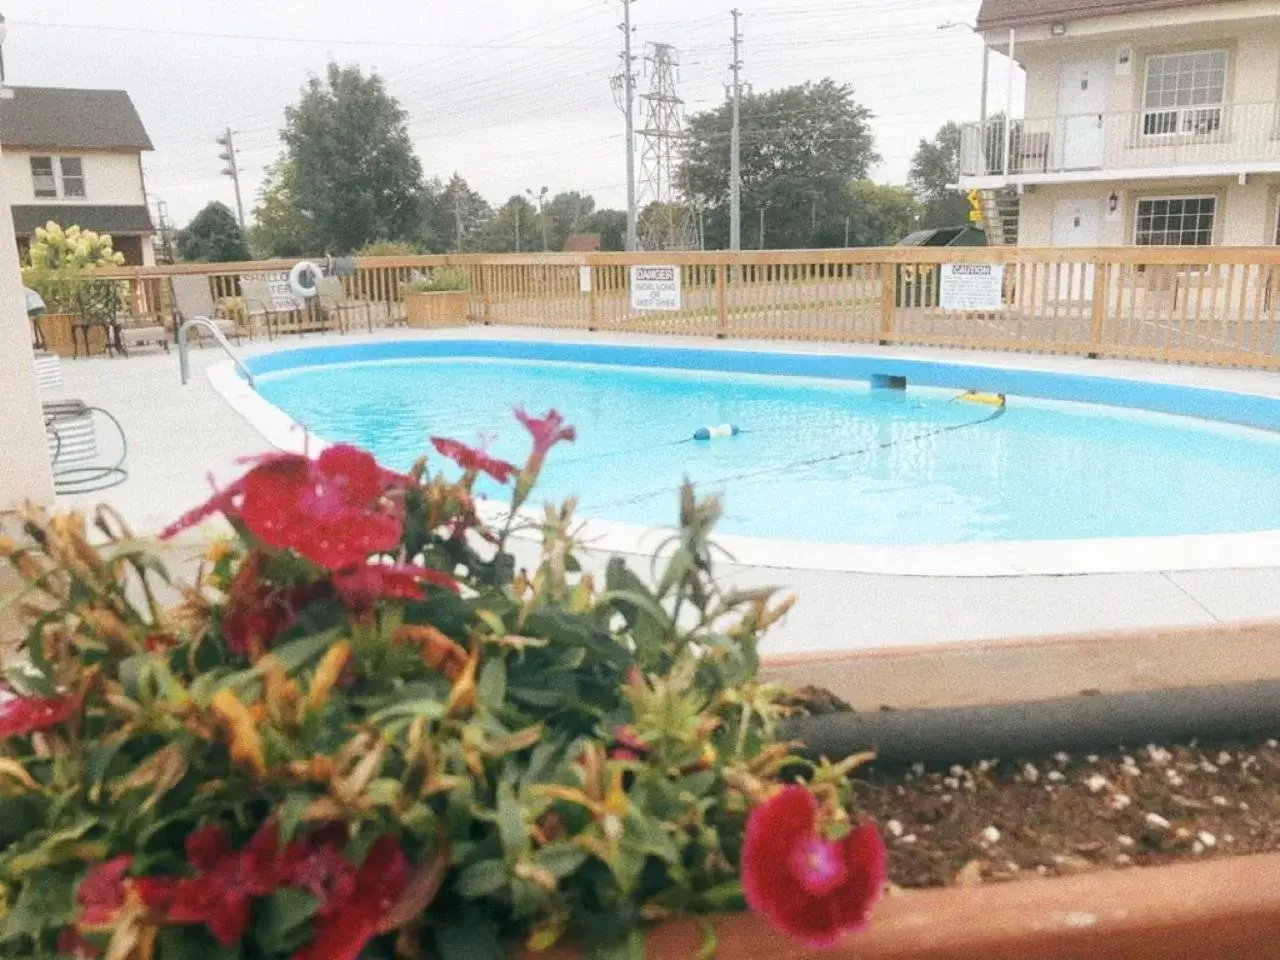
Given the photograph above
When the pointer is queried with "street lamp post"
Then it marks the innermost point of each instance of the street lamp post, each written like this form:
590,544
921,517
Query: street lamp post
541,197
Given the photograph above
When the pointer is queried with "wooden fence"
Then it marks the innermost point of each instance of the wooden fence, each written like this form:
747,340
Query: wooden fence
1215,305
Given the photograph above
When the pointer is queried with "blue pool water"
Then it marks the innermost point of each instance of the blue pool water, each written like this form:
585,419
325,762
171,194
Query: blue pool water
818,459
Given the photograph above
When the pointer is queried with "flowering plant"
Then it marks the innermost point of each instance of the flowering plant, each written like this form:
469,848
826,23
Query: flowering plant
57,257
367,731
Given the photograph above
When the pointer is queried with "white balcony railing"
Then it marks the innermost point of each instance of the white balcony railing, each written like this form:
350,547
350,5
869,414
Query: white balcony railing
1239,133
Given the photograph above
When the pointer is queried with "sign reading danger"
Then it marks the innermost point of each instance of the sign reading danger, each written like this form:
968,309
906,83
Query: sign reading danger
655,288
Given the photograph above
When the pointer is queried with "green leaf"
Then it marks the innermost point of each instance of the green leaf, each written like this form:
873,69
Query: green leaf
97,761
431,709
491,689
481,879
193,943
284,920
46,902
289,656
468,937
561,858
511,822
630,948
289,814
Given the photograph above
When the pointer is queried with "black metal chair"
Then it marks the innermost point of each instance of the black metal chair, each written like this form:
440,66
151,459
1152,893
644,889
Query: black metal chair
99,306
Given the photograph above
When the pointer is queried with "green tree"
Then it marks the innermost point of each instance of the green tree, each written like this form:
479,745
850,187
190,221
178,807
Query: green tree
876,214
612,227
357,177
514,228
281,228
801,146
454,217
567,213
214,236
935,169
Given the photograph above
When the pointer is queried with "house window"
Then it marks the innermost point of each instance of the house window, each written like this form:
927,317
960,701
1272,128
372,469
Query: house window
72,177
1175,221
1184,93
42,178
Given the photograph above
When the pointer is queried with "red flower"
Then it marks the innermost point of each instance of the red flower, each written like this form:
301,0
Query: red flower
220,894
546,432
809,888
101,892
362,586
322,871
342,934
257,612
330,510
627,744
474,461
20,716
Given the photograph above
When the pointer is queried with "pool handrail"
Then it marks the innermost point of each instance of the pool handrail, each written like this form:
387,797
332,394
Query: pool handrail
184,364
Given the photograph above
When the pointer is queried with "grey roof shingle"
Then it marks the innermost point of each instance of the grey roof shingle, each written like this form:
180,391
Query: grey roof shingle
1022,13
56,118
103,218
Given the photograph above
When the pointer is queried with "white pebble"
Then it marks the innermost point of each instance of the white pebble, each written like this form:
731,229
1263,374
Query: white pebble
1243,805
1197,847
1182,833
1228,838
909,838
1128,761
1057,776
1042,870
1012,867
1158,754
951,783
957,770
1224,758
1097,783
1219,801
1272,744
1174,778
1208,767
991,835
1207,838
1155,820
1030,772
894,827
1062,757
918,769
945,798
1120,801
1092,758
1123,859
1124,840
984,766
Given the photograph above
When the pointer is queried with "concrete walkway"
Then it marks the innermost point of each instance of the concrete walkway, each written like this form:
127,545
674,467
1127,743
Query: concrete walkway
179,436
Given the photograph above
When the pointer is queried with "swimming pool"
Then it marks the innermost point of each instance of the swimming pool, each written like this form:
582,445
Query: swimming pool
822,456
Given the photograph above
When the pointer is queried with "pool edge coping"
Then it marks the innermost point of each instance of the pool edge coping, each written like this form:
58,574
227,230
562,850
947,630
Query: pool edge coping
1115,555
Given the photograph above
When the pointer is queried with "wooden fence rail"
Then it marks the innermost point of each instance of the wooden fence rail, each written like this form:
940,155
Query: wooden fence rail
1215,305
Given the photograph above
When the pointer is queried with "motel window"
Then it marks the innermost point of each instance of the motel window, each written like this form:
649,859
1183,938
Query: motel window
1175,221
72,177
42,178
1184,92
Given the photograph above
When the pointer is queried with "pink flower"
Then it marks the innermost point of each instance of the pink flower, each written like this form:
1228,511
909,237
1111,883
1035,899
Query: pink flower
20,716
546,432
332,510
344,933
474,461
101,892
809,888
72,945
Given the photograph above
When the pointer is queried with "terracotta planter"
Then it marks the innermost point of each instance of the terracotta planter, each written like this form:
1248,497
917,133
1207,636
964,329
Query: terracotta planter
431,311
1216,910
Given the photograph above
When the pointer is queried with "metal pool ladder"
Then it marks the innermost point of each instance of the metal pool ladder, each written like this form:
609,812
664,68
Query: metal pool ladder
184,363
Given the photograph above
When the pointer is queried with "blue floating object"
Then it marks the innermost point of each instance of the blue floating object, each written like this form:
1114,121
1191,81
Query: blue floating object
721,430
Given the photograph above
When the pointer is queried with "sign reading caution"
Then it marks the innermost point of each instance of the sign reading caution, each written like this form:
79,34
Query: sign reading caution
972,286
655,288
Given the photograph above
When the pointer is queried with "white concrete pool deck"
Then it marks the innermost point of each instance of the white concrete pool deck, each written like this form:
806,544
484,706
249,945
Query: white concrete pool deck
179,435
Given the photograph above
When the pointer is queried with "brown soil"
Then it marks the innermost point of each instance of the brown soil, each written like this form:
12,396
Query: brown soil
1001,820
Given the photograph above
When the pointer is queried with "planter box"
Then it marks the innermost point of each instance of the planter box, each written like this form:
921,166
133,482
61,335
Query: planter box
1225,909
57,336
431,311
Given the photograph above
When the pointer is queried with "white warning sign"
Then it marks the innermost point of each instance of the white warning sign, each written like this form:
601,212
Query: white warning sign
655,288
972,286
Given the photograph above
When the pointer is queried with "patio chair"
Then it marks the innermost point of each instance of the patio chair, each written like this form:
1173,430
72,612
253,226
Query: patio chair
332,298
260,305
193,298
98,305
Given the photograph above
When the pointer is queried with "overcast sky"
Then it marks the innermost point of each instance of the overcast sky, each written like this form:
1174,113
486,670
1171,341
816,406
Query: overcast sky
513,94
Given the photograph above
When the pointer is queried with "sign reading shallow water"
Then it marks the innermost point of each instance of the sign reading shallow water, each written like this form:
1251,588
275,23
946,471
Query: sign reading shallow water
655,288
972,286
277,281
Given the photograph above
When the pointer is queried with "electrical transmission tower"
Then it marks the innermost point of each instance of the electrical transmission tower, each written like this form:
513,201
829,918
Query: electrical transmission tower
670,224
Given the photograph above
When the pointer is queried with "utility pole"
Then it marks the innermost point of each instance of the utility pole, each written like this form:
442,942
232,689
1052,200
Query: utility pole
624,84
541,197
762,228
232,169
518,227
457,220
735,146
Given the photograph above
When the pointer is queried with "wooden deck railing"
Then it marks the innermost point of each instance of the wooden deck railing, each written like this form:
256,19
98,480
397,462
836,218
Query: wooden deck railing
1216,305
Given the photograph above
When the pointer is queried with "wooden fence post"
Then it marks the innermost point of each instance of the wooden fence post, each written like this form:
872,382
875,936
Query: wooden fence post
592,320
888,294
1101,276
722,300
